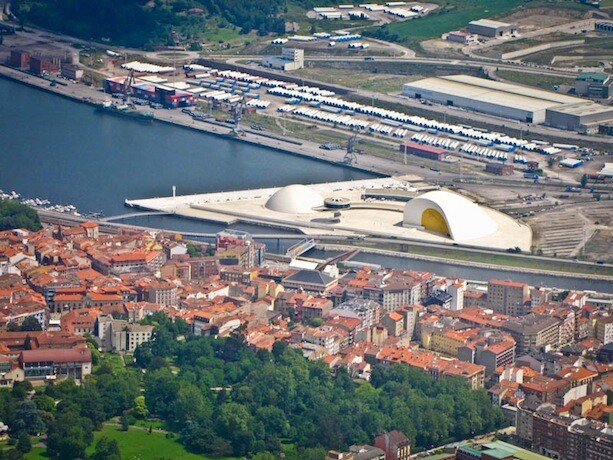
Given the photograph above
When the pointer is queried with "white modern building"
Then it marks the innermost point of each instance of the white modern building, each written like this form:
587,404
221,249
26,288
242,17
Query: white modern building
376,207
449,214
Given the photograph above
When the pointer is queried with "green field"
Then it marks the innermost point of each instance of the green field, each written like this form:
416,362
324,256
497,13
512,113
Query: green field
137,443
546,82
37,453
457,14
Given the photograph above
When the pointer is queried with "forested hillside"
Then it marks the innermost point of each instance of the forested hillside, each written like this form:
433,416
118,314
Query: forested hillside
147,23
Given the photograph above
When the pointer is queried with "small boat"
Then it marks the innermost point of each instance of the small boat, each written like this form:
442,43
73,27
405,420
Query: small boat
124,110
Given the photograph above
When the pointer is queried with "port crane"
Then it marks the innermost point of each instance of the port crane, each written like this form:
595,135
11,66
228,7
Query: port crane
236,113
236,110
127,84
350,153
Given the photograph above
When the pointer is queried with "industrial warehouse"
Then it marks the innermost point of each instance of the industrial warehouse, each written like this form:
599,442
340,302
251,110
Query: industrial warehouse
511,101
390,207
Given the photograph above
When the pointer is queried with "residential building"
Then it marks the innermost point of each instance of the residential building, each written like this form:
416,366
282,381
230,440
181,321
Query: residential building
457,290
570,438
237,274
395,445
234,247
367,311
491,348
394,323
203,267
546,389
508,297
17,314
161,292
604,329
533,332
80,322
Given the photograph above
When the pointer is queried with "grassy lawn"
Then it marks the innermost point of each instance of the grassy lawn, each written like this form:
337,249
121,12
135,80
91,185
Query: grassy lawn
37,453
531,79
155,424
136,443
359,80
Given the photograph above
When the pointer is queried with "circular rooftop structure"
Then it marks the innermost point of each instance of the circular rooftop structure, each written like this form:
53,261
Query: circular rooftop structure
337,202
449,214
295,199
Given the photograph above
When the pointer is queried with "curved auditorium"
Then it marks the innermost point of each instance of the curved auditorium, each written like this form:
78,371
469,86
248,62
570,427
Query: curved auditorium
449,214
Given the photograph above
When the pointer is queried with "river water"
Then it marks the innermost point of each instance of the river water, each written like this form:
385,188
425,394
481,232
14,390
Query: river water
61,150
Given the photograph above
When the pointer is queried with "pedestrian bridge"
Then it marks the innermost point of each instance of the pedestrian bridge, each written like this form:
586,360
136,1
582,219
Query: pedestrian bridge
135,214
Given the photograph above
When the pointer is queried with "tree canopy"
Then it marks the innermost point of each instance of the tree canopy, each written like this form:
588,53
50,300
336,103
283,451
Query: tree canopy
141,22
228,399
13,214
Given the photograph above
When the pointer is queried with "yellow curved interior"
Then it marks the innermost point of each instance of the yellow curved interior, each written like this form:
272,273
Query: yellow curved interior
434,221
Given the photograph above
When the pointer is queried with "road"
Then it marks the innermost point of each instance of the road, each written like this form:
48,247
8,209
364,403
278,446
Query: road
478,63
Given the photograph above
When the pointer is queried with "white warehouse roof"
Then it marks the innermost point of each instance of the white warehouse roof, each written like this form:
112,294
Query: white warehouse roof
491,92
489,23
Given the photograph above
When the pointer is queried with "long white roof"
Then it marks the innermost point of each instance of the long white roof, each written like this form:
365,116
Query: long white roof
493,92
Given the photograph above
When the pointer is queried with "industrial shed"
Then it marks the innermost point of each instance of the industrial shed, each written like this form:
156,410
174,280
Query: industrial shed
487,96
583,116
489,28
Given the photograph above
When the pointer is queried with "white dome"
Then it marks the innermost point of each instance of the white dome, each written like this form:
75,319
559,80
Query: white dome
449,213
295,199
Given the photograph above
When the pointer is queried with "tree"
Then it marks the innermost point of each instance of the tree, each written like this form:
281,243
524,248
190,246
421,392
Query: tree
69,436
193,249
31,324
106,449
584,180
263,456
125,422
140,408
312,453
236,424
24,444
27,419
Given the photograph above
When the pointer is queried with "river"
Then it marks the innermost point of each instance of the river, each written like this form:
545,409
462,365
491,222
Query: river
61,150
